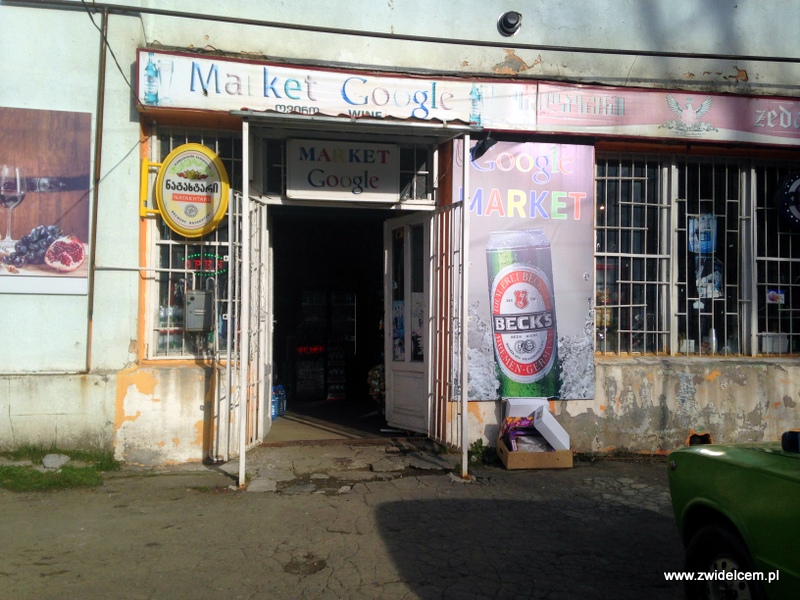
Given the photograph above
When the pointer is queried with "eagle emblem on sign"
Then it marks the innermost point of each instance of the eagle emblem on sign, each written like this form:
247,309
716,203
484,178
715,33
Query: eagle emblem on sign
689,119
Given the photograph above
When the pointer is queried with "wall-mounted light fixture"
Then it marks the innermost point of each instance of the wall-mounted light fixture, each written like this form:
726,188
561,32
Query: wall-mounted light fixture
509,23
481,147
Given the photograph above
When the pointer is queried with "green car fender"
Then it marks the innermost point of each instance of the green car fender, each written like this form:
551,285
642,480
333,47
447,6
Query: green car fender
751,489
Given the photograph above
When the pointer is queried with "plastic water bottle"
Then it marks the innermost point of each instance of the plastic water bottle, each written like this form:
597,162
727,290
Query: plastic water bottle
475,105
151,81
275,404
281,401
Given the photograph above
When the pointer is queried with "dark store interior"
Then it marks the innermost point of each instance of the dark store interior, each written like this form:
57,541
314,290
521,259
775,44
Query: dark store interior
328,309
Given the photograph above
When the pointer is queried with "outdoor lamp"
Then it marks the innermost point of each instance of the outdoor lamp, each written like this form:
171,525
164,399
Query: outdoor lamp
509,23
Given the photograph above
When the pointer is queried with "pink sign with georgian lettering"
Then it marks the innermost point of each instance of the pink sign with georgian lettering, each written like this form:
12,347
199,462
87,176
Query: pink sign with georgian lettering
660,114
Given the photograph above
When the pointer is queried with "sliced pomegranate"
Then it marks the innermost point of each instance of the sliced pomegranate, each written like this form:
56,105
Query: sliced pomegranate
65,254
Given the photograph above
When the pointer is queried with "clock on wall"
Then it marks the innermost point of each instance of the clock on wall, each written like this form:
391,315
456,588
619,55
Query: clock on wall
788,199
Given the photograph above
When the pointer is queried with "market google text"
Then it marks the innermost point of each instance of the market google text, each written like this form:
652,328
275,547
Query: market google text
532,202
354,90
318,178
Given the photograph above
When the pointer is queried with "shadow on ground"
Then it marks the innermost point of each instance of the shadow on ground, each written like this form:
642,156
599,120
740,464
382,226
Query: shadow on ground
359,416
530,549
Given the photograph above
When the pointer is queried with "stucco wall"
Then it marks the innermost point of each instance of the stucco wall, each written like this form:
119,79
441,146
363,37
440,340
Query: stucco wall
67,411
164,415
148,415
653,405
710,27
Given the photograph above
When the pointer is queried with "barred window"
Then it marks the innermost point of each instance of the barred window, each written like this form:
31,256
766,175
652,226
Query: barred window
694,257
777,245
191,274
708,199
632,258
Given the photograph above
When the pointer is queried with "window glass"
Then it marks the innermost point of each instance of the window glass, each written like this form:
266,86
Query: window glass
415,174
708,253
398,295
417,292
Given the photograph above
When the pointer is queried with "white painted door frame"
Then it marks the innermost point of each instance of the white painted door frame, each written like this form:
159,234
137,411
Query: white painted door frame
407,322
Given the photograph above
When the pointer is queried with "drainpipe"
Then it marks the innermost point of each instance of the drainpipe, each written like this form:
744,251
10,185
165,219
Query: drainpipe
98,152
464,384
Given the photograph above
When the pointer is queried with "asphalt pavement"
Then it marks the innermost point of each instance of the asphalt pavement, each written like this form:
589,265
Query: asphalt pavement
348,519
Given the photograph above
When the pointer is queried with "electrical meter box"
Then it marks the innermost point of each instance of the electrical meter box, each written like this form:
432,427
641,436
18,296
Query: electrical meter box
198,315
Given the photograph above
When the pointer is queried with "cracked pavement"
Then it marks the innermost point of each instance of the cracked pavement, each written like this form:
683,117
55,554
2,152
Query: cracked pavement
348,521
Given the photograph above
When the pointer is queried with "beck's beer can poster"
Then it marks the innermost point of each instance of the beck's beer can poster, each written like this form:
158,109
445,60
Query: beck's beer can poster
531,273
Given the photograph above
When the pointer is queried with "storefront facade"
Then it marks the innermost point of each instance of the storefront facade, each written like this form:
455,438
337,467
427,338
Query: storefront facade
667,203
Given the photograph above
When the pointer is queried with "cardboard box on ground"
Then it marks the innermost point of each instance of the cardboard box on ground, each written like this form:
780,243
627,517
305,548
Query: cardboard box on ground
530,436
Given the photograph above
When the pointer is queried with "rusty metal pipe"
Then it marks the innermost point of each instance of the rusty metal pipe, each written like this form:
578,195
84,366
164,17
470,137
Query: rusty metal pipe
98,153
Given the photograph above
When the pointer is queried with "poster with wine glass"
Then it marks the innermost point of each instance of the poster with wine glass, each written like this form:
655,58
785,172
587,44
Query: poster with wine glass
45,159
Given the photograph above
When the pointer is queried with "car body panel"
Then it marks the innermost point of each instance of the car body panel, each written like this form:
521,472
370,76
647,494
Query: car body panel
755,488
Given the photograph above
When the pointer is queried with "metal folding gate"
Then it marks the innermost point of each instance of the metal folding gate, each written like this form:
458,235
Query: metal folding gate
450,418
243,374
447,282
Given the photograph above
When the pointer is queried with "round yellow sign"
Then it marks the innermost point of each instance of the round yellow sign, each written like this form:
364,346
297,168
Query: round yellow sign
192,190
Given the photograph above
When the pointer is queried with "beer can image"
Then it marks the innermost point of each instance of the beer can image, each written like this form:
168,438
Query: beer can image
523,313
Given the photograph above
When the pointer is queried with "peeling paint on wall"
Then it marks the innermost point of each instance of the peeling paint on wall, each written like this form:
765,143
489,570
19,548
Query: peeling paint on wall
732,402
131,382
514,65
476,412
163,415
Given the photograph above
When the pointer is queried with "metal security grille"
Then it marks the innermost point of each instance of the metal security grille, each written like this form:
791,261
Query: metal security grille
695,257
777,242
446,410
709,198
632,256
192,271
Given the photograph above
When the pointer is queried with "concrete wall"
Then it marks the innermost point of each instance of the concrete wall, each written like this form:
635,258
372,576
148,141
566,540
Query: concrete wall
53,391
68,411
148,415
654,405
164,415
719,27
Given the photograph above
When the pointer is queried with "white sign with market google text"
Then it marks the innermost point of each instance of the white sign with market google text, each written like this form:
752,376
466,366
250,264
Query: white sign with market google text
342,171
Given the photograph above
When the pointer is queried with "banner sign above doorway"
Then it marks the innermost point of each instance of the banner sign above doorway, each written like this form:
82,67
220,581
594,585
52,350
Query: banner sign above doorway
170,80
342,171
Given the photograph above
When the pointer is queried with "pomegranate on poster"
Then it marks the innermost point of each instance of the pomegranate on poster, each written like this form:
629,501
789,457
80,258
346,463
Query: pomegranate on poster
65,254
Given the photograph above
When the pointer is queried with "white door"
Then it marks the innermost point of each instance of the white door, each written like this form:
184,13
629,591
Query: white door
406,321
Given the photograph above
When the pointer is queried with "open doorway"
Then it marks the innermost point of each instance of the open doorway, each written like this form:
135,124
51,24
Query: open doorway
328,340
